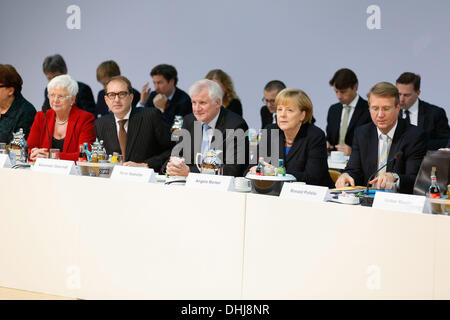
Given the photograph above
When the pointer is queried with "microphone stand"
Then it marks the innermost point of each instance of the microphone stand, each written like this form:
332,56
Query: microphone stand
48,132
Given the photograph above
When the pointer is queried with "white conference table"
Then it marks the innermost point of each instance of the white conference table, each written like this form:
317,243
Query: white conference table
95,238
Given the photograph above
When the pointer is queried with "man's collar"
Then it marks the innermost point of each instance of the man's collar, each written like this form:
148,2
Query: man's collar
391,132
213,122
354,102
127,116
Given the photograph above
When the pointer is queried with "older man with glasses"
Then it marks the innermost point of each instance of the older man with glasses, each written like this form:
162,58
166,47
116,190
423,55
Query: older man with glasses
388,145
139,134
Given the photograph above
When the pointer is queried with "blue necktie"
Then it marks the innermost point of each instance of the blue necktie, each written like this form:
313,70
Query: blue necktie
205,138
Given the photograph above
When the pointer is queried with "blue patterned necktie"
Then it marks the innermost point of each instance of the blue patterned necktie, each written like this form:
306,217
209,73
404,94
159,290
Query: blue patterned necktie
205,138
384,153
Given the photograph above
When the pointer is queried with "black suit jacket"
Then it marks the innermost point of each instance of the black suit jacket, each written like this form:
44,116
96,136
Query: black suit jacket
363,161
84,99
226,120
360,116
307,158
235,105
433,120
148,138
266,117
102,108
179,105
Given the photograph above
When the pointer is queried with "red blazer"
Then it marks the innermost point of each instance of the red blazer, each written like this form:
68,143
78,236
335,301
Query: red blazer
80,129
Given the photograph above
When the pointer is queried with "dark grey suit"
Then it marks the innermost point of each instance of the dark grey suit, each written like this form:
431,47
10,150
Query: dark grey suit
148,137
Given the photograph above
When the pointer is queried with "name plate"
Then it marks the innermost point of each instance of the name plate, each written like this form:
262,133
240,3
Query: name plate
5,162
304,192
136,174
399,202
65,167
210,182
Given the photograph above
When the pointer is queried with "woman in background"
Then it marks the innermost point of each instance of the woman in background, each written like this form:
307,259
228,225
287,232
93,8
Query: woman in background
230,100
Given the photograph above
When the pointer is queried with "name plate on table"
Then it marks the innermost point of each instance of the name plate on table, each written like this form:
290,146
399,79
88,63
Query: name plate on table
137,174
5,162
304,192
399,202
65,167
210,182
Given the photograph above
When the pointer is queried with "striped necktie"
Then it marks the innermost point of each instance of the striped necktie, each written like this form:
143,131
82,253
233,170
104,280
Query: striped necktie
344,125
384,153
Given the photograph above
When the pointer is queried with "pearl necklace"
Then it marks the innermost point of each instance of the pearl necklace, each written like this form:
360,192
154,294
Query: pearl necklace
61,122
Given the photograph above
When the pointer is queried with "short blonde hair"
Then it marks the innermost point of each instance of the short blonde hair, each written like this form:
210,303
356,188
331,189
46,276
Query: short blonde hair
386,90
297,97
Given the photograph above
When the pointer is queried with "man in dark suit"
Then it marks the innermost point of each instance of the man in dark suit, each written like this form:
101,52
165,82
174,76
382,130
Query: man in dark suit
167,97
387,142
430,118
211,126
344,117
55,66
268,111
139,134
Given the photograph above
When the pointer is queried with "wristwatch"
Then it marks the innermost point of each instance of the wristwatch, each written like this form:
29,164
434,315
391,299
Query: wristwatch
396,177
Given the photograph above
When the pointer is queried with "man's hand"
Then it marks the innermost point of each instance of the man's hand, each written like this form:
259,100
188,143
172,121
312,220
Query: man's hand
384,181
145,93
346,149
177,167
343,180
38,153
160,102
329,147
134,164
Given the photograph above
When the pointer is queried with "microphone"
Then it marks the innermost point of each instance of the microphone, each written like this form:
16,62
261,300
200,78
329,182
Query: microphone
44,110
397,156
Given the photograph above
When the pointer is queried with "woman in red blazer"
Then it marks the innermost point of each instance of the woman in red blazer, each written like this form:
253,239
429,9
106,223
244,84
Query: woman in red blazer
68,126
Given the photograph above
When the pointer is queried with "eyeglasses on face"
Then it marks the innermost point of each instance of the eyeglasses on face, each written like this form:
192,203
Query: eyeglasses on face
53,96
384,109
113,95
266,101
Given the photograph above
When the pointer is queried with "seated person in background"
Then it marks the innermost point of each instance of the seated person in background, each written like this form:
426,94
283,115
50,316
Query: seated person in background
230,99
343,117
211,117
55,66
302,145
15,111
430,118
377,143
105,71
65,124
137,133
167,97
268,111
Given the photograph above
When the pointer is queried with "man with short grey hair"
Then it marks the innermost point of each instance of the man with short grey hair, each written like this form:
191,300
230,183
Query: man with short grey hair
216,124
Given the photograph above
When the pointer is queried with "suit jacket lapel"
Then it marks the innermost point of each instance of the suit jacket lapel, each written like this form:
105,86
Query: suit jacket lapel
359,109
73,119
134,124
372,159
298,141
395,145
50,115
421,116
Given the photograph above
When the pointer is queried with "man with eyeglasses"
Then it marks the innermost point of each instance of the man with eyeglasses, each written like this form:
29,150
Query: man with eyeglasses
387,144
268,111
350,112
139,134
430,118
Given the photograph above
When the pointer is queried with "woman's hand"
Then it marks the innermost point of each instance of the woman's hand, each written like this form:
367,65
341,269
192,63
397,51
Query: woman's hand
38,153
